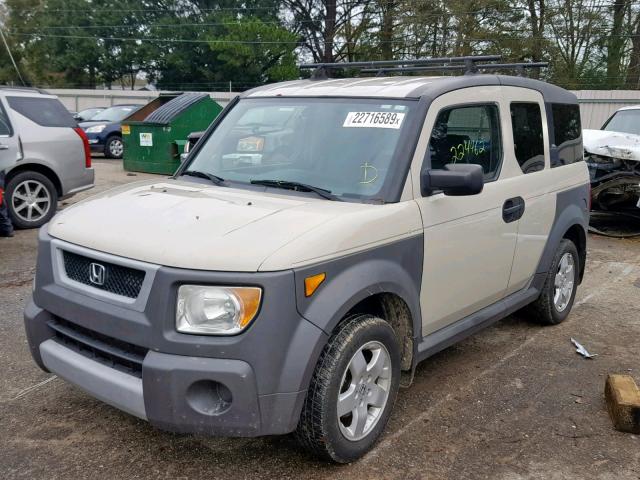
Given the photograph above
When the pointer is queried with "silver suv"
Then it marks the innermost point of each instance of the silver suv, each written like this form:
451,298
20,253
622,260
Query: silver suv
45,154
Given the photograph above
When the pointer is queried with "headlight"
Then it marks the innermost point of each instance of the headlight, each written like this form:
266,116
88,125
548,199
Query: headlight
216,310
95,129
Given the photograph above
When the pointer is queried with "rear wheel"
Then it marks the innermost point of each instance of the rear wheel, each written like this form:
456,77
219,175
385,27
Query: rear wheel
114,148
32,199
352,391
559,290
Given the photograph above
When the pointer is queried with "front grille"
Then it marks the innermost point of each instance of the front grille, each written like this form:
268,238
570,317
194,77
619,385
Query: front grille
114,353
116,279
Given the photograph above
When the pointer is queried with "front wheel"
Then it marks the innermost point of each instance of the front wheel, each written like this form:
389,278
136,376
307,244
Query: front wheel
114,148
352,391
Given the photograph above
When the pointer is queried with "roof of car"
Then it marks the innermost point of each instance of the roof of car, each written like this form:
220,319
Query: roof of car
630,107
404,87
24,92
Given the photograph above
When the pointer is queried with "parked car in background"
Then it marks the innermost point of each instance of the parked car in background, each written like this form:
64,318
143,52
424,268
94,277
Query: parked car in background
192,139
104,130
613,157
88,113
47,153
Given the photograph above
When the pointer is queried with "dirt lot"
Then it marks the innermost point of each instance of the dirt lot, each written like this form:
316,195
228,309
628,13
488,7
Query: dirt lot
512,402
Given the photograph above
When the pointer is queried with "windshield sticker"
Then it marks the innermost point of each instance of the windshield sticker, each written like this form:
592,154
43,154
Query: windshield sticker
374,120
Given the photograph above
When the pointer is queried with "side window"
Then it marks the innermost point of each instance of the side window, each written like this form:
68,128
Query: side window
468,134
5,125
528,142
566,128
47,112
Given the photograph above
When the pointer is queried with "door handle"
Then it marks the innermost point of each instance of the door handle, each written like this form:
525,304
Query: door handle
512,209
4,147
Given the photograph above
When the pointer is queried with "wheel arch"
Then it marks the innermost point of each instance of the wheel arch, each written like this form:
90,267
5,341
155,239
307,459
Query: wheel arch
39,168
578,236
393,309
384,281
571,221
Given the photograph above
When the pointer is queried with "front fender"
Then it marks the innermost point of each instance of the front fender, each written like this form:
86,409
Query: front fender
391,268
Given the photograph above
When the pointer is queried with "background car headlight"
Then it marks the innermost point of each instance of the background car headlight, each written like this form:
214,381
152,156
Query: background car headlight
216,310
95,129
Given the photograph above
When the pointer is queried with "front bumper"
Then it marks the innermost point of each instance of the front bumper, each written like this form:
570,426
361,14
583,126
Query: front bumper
96,141
174,392
248,385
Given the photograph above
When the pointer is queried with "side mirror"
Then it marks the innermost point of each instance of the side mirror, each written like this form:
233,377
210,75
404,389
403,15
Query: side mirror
454,179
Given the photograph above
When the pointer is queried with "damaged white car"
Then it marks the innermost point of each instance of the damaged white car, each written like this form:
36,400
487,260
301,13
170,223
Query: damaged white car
613,157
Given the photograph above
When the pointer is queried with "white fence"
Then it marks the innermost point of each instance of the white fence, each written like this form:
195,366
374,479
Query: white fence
77,100
595,105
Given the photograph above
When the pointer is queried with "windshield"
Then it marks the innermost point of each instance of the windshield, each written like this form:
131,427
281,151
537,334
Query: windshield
114,114
624,121
89,112
344,146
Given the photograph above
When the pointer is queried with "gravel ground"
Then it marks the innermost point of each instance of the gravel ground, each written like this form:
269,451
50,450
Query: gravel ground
512,402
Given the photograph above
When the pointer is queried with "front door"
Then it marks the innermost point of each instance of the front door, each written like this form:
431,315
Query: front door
469,241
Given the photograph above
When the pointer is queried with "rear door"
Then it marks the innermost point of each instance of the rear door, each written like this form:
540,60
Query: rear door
532,176
9,147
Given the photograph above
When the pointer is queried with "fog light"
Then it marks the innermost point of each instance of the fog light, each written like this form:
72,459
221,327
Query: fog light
209,397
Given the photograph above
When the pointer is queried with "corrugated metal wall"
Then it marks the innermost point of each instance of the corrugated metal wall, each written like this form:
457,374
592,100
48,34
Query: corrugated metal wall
76,99
596,106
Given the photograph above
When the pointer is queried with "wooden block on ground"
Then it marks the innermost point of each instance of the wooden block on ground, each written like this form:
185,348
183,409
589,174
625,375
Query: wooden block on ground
623,402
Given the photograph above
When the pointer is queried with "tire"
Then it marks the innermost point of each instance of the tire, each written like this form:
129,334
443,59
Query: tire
32,199
550,309
320,429
114,148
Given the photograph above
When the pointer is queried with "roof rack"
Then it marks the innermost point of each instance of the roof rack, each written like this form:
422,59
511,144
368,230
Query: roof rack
518,67
467,63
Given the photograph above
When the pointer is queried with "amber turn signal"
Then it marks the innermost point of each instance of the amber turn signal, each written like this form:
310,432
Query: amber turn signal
312,283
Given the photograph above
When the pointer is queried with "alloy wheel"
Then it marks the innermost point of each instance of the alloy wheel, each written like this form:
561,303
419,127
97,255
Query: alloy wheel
116,147
364,390
564,282
31,201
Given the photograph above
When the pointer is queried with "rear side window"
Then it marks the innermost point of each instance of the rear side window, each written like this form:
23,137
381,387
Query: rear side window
5,126
566,128
468,134
47,112
528,142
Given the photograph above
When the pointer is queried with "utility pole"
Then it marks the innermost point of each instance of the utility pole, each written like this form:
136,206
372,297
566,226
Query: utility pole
11,57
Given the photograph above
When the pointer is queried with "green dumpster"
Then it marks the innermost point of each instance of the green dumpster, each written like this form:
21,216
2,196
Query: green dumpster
153,143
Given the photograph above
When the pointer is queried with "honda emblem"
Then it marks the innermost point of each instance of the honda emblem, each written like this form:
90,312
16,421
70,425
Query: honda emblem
97,274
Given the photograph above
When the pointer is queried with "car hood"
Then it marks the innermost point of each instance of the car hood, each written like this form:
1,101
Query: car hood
188,225
625,146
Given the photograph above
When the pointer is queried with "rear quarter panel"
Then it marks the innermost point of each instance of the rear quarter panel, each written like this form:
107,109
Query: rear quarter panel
59,148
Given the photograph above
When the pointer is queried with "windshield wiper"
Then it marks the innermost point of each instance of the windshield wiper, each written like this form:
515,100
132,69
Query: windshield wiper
298,187
215,179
